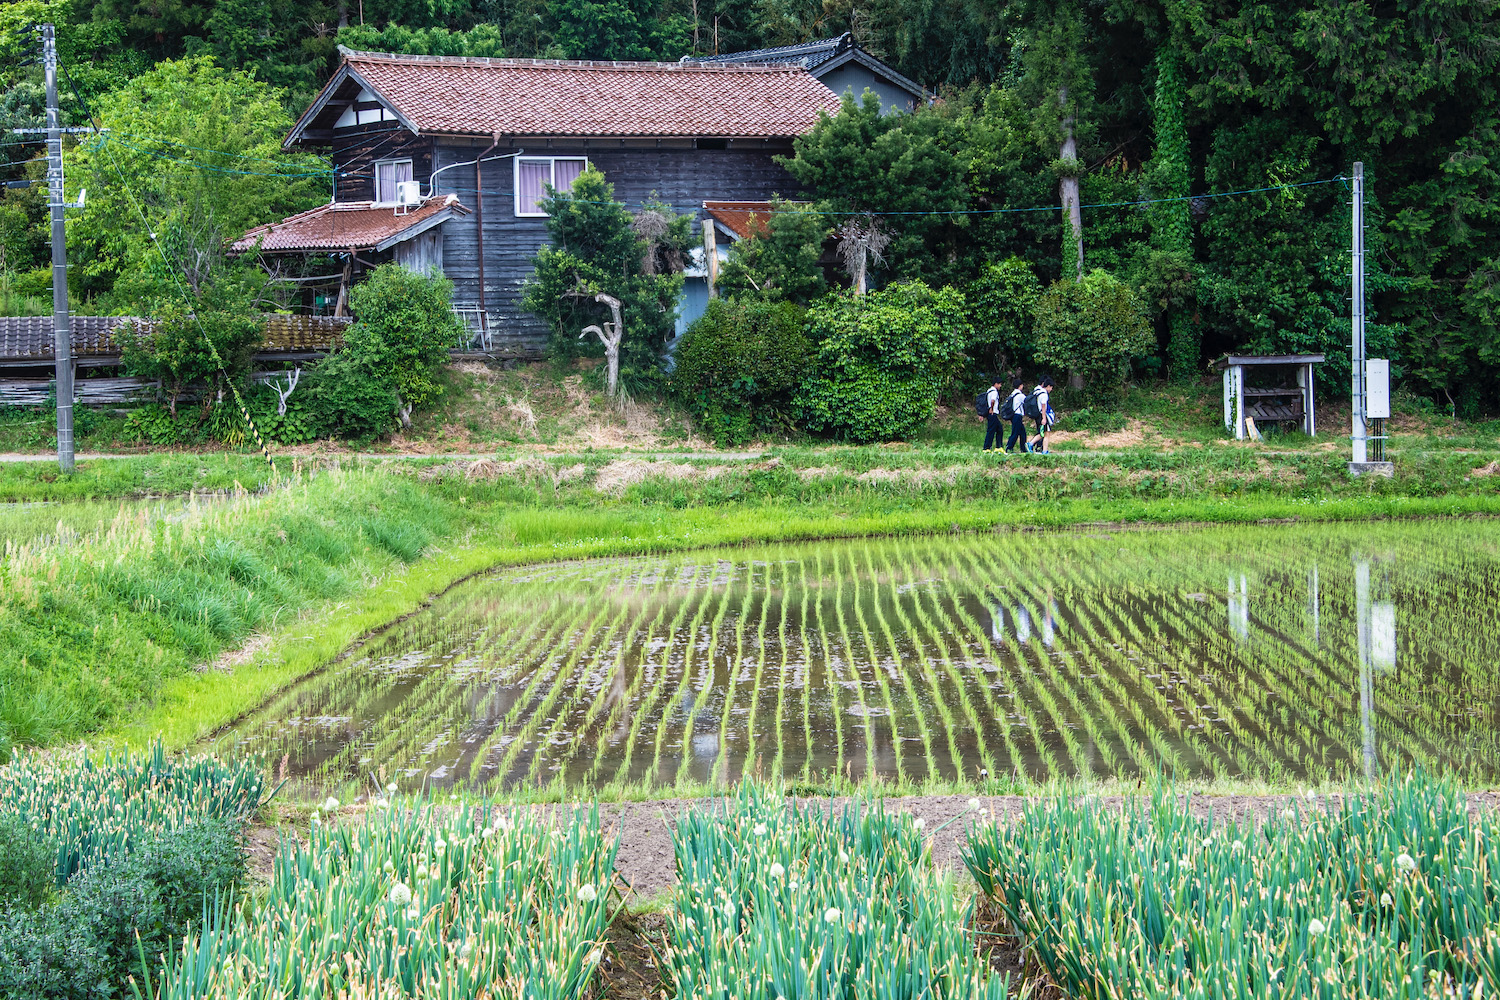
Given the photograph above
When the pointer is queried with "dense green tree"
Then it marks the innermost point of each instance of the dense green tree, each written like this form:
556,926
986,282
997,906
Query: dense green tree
900,166
189,145
881,360
782,260
596,248
1091,328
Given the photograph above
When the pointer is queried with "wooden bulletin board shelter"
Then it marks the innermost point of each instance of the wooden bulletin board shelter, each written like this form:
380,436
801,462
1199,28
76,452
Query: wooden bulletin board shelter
1285,402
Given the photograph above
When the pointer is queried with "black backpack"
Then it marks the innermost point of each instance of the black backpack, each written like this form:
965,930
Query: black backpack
982,404
1008,408
1033,410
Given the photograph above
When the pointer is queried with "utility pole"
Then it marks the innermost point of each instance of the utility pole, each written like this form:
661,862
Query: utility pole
62,336
1357,317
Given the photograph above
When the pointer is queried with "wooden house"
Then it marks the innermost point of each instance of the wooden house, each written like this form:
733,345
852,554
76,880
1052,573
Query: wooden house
444,160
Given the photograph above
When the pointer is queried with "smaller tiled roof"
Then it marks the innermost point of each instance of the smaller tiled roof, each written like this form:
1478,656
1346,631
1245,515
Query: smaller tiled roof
341,225
808,54
819,58
742,218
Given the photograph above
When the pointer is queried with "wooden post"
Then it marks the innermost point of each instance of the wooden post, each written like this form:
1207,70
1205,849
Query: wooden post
1239,402
1309,417
344,281
711,256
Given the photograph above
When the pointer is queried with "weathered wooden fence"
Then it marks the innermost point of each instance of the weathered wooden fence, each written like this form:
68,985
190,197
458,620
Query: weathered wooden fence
26,341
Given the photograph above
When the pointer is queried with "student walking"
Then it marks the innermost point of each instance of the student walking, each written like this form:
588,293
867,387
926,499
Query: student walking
1014,410
993,433
1039,408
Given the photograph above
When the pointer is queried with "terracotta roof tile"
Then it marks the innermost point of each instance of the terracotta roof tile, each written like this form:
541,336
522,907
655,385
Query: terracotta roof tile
551,97
342,225
742,218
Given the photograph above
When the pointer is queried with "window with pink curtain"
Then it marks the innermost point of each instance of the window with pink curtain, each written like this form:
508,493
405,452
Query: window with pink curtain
389,173
564,172
533,176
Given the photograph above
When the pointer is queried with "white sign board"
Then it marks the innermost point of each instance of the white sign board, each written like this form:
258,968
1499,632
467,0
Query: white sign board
1377,388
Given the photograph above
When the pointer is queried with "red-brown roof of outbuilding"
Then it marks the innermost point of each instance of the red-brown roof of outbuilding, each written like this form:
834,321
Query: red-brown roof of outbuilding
342,225
466,95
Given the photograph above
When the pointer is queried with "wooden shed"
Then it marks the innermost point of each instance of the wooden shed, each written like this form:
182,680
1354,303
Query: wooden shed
1268,387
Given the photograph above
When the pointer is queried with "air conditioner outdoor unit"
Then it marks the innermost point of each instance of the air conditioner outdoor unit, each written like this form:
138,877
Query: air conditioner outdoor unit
409,193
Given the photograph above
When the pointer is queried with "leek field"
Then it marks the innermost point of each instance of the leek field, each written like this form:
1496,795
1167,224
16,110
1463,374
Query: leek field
1383,893
1267,653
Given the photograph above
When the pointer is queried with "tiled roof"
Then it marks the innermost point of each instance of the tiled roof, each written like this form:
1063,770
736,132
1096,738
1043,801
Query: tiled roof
808,54
345,224
552,97
742,218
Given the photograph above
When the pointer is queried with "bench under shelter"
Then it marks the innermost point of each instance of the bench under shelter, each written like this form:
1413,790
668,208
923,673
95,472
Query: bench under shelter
1267,388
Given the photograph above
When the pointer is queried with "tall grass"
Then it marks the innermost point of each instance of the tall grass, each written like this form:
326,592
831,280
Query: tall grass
93,623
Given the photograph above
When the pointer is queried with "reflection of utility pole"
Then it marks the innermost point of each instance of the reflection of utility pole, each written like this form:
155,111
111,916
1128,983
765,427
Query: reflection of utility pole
62,337
1239,608
1366,671
1313,600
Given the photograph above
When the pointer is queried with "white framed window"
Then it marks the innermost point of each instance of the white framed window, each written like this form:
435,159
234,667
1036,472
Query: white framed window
389,173
534,173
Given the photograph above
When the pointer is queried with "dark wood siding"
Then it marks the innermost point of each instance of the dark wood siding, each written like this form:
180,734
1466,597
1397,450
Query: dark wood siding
682,177
354,154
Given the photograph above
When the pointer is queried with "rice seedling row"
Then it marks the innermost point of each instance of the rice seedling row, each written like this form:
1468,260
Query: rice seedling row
1214,653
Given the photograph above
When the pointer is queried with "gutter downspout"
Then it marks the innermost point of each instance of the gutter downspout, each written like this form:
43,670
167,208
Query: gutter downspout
484,315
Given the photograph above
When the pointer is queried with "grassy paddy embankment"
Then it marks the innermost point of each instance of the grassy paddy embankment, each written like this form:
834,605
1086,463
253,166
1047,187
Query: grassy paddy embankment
106,626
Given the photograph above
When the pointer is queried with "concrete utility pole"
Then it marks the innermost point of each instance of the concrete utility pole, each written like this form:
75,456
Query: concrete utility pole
62,336
1357,316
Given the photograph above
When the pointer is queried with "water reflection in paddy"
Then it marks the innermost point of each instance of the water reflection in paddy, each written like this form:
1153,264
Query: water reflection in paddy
1269,651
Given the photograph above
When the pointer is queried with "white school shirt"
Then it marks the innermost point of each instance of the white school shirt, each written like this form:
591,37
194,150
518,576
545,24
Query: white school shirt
992,399
1018,402
1041,405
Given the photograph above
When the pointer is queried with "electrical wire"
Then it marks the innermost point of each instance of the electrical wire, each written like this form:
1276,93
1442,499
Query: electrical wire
105,137
462,189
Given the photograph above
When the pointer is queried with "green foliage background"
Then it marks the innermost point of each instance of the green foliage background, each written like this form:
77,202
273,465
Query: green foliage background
1165,99
881,360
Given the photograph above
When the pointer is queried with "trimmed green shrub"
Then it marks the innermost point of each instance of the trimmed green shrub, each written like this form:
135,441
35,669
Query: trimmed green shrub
739,365
782,257
881,360
1092,327
89,943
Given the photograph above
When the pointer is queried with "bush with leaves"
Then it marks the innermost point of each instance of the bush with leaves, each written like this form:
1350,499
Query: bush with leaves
88,944
387,369
599,246
1000,301
1091,329
781,258
739,365
881,360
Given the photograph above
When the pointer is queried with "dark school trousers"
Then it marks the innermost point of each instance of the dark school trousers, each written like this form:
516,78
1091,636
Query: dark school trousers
992,431
1017,433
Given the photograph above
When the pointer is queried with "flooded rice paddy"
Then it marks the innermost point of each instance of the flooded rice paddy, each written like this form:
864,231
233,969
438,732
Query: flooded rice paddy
1279,652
